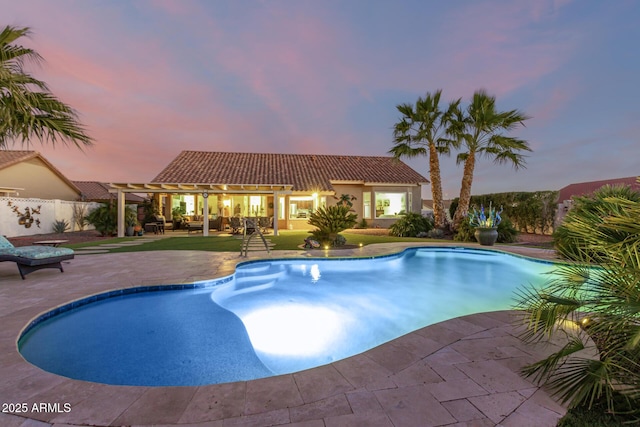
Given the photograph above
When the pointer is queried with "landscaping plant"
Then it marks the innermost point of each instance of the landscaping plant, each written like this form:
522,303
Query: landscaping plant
104,218
410,225
587,218
595,304
330,221
60,226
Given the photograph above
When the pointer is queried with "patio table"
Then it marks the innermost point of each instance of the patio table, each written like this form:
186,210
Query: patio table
54,243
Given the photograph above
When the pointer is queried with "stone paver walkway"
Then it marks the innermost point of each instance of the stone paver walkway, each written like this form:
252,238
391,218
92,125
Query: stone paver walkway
461,372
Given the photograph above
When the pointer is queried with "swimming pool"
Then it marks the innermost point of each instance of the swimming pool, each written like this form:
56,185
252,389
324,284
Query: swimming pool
271,317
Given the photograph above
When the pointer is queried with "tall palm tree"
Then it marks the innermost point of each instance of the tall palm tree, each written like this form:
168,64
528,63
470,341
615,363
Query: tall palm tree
28,110
480,130
422,131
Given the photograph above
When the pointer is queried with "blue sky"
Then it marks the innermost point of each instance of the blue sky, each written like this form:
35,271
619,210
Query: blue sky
152,78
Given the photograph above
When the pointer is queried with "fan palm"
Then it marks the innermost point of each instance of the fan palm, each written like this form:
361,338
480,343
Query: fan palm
601,360
28,110
480,131
422,131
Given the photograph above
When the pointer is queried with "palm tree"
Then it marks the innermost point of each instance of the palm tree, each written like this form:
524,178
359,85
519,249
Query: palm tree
28,110
479,129
595,309
422,131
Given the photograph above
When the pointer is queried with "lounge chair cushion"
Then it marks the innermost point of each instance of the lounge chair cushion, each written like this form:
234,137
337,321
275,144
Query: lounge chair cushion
32,258
36,252
4,243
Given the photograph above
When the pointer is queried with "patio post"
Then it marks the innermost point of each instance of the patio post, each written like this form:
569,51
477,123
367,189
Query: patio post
275,213
205,214
120,213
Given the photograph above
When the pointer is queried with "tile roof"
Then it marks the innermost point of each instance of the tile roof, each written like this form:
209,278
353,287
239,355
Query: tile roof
585,188
12,157
306,172
99,191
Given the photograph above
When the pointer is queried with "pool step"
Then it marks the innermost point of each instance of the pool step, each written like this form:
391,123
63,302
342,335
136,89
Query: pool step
257,276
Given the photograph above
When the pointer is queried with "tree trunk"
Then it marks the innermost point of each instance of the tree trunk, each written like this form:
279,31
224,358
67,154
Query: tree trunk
465,191
436,188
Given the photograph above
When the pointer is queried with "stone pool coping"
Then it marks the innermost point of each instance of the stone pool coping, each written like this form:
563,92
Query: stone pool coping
459,371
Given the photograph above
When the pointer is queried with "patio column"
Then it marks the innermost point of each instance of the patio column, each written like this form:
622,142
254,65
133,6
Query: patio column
205,214
276,204
168,201
120,213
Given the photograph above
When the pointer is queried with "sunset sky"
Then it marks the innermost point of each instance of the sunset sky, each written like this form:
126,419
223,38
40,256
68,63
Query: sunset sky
152,78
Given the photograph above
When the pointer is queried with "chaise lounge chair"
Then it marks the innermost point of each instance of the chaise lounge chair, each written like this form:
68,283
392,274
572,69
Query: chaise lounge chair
32,258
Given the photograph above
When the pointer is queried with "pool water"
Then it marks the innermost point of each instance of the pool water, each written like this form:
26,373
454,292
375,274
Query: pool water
273,317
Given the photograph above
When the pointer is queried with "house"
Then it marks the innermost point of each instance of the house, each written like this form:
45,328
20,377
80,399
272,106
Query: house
94,191
285,187
27,174
566,194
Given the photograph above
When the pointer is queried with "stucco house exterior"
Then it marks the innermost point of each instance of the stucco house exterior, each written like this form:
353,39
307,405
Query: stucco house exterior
285,187
27,174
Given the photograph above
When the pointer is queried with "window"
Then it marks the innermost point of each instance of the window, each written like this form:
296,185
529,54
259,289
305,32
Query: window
390,205
300,207
366,205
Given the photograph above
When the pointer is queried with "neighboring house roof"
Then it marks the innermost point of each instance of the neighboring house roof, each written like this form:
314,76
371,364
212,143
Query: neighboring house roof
306,172
99,192
586,188
13,157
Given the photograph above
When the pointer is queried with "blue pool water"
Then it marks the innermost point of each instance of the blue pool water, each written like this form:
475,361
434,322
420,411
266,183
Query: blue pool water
272,317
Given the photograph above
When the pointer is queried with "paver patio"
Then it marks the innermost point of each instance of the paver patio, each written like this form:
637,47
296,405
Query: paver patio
461,372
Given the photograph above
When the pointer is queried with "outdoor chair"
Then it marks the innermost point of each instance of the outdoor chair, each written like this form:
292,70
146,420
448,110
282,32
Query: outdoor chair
264,223
32,258
235,224
250,225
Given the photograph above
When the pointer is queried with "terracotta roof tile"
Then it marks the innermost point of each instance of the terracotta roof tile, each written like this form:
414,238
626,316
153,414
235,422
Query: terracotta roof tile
99,191
585,188
306,172
12,157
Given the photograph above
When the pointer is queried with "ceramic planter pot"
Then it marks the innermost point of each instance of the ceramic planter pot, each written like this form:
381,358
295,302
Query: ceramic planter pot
486,236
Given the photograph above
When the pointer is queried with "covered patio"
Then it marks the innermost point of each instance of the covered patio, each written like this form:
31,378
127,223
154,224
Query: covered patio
203,191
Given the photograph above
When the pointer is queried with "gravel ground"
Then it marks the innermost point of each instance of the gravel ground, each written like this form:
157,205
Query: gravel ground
72,237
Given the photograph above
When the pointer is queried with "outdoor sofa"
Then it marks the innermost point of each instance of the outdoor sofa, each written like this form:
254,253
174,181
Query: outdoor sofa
32,258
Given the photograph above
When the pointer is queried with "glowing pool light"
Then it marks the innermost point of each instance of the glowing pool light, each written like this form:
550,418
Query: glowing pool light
295,329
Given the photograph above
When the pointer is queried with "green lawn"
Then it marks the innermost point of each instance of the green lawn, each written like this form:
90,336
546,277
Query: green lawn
286,240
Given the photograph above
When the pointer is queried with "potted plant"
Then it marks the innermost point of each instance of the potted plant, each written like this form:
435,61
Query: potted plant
486,224
137,229
176,217
130,219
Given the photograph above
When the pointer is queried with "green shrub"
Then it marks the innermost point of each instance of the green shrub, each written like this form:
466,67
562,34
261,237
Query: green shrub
587,217
507,232
410,225
330,221
465,232
105,219
60,226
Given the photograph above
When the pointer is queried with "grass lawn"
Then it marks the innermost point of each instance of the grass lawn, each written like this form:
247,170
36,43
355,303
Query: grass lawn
286,240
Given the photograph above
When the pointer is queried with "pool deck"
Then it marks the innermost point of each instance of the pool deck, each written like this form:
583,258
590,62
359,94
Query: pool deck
461,372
